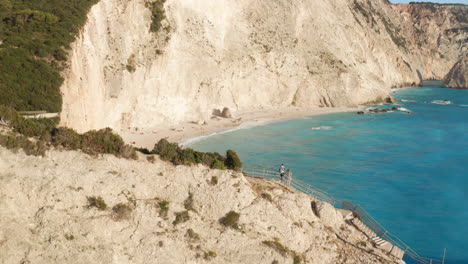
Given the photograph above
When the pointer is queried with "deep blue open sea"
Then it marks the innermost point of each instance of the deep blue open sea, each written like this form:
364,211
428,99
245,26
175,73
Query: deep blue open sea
408,170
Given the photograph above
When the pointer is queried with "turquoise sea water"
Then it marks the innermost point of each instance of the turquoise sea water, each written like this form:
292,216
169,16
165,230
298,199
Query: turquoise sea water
408,170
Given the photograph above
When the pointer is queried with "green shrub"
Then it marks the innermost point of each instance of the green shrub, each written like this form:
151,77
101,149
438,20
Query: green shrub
67,138
218,165
181,217
231,219
104,141
35,34
233,161
97,202
15,142
101,141
166,151
163,208
26,126
173,153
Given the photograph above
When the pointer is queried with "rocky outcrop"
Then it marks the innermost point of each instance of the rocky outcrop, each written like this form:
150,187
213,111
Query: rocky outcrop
68,207
435,34
458,75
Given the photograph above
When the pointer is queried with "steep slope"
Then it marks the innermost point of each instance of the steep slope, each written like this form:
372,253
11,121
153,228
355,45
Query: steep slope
438,35
159,213
210,54
458,75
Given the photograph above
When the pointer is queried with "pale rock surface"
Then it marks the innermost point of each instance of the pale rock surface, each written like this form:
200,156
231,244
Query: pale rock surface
242,54
45,218
458,75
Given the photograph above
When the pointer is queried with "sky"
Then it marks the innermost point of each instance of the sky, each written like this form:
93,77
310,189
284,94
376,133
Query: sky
433,1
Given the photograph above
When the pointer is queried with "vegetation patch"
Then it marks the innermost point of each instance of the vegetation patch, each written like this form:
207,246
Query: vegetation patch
157,14
163,208
277,246
121,212
15,142
97,202
44,131
214,180
181,217
173,153
267,197
284,250
188,203
209,255
25,126
231,219
233,161
36,36
192,235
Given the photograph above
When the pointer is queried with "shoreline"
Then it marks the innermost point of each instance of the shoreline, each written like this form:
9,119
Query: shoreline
187,133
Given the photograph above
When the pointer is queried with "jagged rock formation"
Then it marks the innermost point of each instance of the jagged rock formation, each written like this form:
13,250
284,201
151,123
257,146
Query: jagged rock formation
248,55
437,34
160,213
458,75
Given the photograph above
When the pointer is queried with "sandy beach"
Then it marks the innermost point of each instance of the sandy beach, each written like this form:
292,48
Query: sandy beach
187,132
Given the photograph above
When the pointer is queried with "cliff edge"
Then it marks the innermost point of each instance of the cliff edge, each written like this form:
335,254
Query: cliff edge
68,207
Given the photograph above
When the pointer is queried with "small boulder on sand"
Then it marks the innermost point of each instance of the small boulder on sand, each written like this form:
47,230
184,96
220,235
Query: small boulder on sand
226,113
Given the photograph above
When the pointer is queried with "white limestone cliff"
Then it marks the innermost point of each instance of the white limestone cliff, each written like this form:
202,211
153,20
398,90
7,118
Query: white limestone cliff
241,54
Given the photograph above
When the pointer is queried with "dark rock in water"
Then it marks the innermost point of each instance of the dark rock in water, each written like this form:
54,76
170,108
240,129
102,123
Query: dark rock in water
379,111
391,100
394,108
226,113
360,112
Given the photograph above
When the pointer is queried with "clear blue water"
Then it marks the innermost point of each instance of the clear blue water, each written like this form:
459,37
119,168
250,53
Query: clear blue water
408,170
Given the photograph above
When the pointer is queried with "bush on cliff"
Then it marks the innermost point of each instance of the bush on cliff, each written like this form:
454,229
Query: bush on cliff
94,142
25,126
103,141
231,219
233,161
35,36
173,153
157,14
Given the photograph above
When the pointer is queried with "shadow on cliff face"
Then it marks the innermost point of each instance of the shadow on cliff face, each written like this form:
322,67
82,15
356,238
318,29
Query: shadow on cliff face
419,76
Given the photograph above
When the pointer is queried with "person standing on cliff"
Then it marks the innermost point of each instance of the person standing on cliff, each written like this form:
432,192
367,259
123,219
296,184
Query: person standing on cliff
288,177
282,169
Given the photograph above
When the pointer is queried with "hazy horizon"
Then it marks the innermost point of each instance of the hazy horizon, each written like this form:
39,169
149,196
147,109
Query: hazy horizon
433,1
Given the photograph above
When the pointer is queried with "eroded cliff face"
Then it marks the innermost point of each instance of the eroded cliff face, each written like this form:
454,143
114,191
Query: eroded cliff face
437,34
458,75
46,215
241,54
